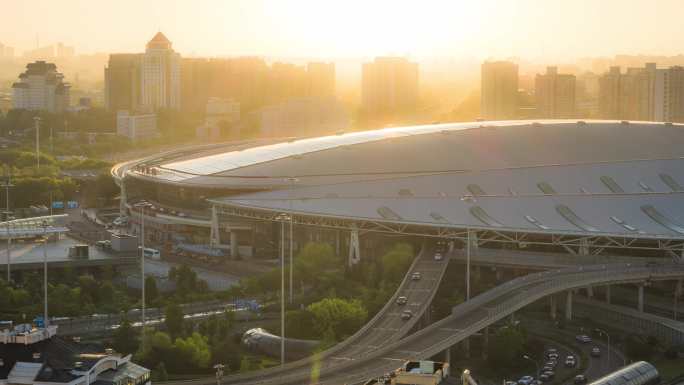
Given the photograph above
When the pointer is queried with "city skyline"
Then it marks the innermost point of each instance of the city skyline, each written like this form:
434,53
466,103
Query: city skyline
462,29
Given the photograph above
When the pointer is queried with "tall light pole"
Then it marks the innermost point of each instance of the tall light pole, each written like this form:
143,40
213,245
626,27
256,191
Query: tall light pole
219,373
468,266
7,185
535,364
292,181
36,120
46,322
601,332
282,218
142,206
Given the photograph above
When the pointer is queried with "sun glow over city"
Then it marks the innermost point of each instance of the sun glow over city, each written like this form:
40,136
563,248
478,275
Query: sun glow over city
331,192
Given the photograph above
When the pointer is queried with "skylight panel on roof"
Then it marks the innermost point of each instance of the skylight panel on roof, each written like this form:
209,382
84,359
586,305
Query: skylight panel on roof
662,219
546,188
388,213
480,213
476,190
573,218
612,185
671,182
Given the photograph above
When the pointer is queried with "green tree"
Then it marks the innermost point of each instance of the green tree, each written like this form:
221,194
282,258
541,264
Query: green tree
396,262
314,258
151,291
162,375
193,351
506,347
173,320
337,317
300,324
125,339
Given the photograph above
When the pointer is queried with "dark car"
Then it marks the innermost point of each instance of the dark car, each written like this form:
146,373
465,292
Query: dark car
580,379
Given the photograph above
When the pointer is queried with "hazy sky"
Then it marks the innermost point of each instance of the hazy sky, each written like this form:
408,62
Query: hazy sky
532,29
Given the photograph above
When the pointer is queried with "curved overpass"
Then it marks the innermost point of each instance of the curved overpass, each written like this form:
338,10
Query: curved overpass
466,319
384,328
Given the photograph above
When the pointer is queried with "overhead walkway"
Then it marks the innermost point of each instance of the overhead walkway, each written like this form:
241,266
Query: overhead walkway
33,227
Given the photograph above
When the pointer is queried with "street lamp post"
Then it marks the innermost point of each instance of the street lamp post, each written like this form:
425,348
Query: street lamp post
535,364
292,181
7,185
46,322
468,267
36,120
142,206
219,373
601,332
282,218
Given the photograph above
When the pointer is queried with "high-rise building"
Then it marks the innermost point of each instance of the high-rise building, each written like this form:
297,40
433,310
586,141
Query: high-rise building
499,99
389,86
122,82
251,82
648,93
555,94
669,95
6,52
321,79
145,81
609,94
302,117
41,88
160,75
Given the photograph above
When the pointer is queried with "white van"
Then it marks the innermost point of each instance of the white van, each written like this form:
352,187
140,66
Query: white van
151,253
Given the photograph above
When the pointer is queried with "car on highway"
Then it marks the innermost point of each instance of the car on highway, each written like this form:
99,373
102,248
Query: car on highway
580,379
552,363
510,383
570,361
553,356
551,351
595,351
544,377
549,373
583,338
120,221
547,368
406,315
438,256
415,276
402,300
525,380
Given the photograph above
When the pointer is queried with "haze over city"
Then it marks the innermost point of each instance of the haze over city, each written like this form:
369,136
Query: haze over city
534,29
290,192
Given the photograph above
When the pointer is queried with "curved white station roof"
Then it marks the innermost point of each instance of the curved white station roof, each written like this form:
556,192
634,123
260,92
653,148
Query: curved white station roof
420,149
594,177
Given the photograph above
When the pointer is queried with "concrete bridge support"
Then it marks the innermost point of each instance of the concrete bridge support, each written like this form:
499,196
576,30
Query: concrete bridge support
499,274
608,294
233,244
466,347
677,294
568,306
485,342
590,292
552,304
354,248
641,298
